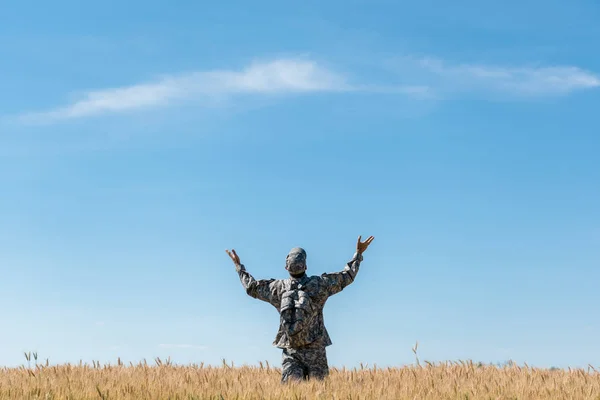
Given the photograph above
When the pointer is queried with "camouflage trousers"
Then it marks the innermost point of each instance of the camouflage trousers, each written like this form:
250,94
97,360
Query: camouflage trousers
304,363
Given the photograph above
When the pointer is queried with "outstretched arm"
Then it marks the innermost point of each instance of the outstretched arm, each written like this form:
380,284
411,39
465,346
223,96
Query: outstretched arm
265,289
337,281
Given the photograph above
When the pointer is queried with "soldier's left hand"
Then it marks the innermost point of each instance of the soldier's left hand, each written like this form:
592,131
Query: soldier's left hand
234,257
362,246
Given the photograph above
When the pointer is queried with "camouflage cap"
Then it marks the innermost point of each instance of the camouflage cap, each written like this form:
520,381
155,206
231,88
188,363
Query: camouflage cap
296,260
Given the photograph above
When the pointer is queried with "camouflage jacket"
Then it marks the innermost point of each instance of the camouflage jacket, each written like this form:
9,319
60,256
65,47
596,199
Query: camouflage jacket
319,288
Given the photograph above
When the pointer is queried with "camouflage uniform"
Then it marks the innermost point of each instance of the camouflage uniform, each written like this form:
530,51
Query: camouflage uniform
303,358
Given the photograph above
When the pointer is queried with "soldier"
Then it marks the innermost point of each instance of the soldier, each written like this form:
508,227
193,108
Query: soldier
299,300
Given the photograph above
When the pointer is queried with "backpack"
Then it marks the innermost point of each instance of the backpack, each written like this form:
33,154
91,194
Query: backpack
296,313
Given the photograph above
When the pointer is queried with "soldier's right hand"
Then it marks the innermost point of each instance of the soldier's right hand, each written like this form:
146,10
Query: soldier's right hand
234,257
362,246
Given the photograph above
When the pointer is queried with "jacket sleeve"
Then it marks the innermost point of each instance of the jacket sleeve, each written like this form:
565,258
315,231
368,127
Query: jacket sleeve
268,290
337,281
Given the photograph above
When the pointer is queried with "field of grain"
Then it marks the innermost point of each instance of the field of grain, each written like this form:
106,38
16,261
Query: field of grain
163,380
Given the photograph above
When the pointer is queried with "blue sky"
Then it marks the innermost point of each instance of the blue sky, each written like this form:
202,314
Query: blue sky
138,141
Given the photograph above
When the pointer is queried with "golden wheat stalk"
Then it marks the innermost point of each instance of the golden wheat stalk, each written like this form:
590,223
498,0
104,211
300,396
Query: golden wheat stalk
165,380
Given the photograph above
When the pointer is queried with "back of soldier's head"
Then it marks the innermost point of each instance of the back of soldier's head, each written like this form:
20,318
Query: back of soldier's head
295,262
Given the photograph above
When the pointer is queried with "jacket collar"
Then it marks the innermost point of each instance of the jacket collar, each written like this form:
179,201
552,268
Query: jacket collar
301,280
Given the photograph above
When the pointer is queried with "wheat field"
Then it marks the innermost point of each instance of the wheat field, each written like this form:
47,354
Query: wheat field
164,380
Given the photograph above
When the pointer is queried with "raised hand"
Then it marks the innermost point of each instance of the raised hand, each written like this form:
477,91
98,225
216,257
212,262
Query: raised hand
362,246
234,257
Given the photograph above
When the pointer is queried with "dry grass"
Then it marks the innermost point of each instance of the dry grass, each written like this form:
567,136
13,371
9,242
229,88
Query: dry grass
462,380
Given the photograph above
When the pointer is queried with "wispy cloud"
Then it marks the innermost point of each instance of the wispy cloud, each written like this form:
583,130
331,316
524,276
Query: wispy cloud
420,77
182,346
280,76
522,81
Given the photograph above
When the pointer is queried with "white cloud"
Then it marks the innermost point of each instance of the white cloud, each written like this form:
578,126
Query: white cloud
182,346
524,81
278,76
422,78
